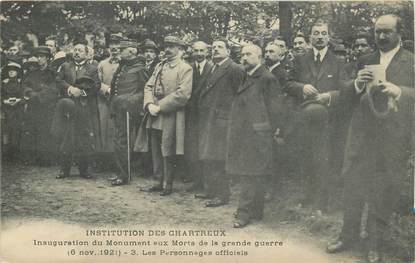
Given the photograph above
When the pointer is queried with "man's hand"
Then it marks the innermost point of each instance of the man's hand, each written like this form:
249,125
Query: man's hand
364,76
105,89
74,91
323,98
391,89
153,109
309,90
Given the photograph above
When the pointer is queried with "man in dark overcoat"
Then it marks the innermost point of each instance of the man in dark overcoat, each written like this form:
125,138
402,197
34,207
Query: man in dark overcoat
76,121
281,106
127,94
201,69
380,141
214,106
41,95
250,135
315,83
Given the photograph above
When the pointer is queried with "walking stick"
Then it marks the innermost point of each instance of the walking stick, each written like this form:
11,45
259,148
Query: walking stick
128,147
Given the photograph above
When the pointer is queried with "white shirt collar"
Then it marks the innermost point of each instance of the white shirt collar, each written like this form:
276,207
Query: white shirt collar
322,52
274,66
386,57
201,65
221,62
252,71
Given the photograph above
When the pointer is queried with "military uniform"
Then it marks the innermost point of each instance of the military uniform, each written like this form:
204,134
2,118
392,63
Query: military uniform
170,88
127,92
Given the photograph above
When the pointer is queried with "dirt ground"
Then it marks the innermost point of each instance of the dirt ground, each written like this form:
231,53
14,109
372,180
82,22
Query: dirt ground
31,195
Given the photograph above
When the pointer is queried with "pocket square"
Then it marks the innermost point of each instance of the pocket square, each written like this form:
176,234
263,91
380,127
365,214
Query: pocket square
329,76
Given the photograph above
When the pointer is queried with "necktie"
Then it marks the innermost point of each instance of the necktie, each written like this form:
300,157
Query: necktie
198,69
318,58
317,62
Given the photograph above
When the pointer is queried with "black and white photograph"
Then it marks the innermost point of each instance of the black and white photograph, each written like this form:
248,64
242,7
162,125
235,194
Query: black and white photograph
207,131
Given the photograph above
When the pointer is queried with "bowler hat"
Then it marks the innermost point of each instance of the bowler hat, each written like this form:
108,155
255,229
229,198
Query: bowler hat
42,50
174,40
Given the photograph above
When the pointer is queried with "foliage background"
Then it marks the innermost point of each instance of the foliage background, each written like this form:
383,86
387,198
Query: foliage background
202,19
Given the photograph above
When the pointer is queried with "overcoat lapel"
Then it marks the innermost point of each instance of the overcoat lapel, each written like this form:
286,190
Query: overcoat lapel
214,77
205,73
393,69
250,80
310,62
325,64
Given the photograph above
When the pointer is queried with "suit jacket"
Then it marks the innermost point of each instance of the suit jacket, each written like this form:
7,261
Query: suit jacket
327,79
249,148
378,149
86,78
215,101
68,75
150,68
192,115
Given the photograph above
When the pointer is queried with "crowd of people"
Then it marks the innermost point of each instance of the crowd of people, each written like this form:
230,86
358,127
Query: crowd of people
318,112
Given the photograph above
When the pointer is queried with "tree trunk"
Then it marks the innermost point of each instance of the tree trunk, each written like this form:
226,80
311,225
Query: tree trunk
286,15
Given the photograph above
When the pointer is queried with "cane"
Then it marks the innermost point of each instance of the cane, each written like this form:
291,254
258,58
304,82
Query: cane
128,148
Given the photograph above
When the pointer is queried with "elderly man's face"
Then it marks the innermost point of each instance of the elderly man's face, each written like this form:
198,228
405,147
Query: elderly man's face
386,33
250,57
79,53
273,54
171,50
319,36
128,53
281,44
200,51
